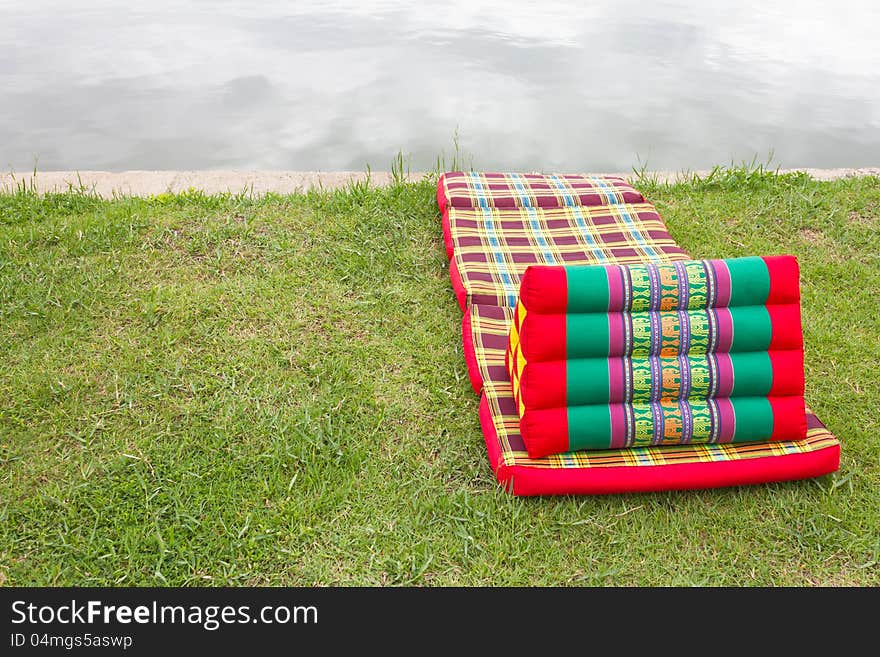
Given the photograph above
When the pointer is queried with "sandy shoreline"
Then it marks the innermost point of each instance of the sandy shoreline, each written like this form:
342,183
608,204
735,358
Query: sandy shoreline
149,183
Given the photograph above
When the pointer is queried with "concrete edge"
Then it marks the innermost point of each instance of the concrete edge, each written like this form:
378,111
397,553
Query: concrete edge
150,183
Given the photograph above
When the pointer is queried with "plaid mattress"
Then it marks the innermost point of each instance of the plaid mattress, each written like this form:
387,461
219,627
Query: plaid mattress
471,189
490,325
498,225
492,248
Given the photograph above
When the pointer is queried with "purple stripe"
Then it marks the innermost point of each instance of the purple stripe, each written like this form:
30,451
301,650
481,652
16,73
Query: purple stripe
498,373
725,375
615,288
685,367
713,374
630,425
658,424
627,289
728,420
684,335
712,316
616,335
713,420
628,336
616,388
710,283
722,283
687,422
683,287
618,425
656,380
654,287
723,329
656,333
627,380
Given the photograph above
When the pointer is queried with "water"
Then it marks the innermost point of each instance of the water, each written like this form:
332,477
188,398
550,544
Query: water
335,85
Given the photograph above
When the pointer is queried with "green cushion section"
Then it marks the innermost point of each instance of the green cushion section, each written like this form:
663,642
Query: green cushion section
754,418
752,374
749,281
587,289
586,381
589,427
592,380
752,329
586,335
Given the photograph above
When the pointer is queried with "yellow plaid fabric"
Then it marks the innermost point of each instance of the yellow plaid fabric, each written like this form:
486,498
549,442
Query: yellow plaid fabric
494,247
472,189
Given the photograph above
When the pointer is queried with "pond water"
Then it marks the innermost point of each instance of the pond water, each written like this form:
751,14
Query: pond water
337,85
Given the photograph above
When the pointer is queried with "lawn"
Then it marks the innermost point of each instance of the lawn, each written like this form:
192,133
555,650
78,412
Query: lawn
210,390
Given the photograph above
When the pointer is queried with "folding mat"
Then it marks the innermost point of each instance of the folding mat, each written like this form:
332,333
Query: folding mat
495,225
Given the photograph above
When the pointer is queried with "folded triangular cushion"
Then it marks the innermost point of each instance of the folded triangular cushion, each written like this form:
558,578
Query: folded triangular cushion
616,356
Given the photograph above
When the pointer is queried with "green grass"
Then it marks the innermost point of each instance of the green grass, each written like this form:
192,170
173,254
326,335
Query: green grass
206,390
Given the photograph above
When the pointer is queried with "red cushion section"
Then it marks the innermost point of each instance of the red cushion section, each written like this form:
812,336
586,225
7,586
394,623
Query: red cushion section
457,285
550,331
784,279
441,196
789,365
447,234
524,480
544,289
543,385
470,354
653,478
789,420
786,328
544,431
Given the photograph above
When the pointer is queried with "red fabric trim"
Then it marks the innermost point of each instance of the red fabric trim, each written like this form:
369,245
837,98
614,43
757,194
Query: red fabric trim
789,418
543,384
549,333
784,279
544,289
544,431
788,372
447,234
441,197
470,353
457,285
691,476
785,326
525,480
